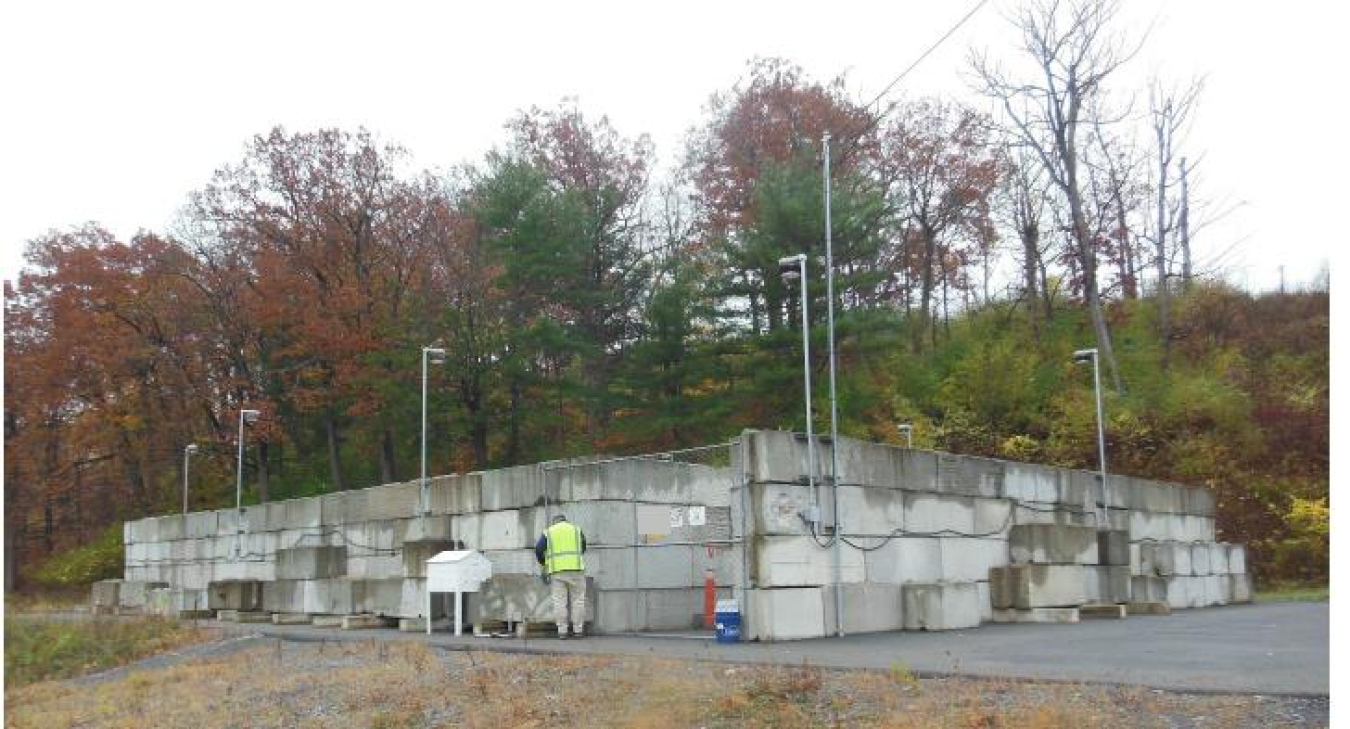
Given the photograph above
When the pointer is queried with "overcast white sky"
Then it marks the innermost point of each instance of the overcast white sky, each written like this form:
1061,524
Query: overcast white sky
113,112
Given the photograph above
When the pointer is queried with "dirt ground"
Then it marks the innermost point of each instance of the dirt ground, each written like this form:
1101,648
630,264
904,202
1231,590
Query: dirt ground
280,684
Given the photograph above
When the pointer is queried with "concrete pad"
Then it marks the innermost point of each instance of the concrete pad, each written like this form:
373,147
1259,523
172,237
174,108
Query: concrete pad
1111,611
800,562
867,608
1035,615
244,616
328,621
1052,544
969,560
419,625
311,563
365,622
941,606
938,515
905,559
1148,608
970,475
784,614
1113,548
292,618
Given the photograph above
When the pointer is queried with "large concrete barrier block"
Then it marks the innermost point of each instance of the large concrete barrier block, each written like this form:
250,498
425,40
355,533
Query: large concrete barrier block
941,606
905,559
521,597
523,562
354,508
938,514
105,593
666,566
284,596
272,516
1199,501
1082,491
778,457
1154,497
1200,565
413,599
1239,588
1113,548
871,511
332,597
1184,591
434,527
514,488
1107,584
629,610
1237,559
333,509
381,566
605,522
1052,544
1148,588
969,560
993,517
1218,558
245,570
776,508
511,529
1216,589
379,596
784,614
1038,585
416,553
1028,482
171,527
311,563
306,513
867,608
800,562
200,524
234,595
970,476
456,494
394,501
867,464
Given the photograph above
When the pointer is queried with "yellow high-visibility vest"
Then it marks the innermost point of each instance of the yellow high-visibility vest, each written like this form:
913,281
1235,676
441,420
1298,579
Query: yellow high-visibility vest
563,551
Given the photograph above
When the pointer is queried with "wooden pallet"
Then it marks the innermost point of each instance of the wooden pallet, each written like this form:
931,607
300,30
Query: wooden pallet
516,628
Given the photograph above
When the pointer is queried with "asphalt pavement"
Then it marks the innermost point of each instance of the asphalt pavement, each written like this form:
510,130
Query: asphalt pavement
1264,648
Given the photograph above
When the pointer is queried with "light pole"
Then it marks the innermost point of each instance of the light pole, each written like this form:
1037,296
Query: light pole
834,407
1090,355
187,451
795,267
908,430
438,356
245,416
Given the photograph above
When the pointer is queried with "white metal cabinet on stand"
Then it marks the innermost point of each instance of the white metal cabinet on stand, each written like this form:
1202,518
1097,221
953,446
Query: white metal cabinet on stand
457,571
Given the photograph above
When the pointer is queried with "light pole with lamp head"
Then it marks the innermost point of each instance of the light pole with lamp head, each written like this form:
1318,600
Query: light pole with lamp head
908,430
1084,356
188,450
245,416
792,267
438,356
834,402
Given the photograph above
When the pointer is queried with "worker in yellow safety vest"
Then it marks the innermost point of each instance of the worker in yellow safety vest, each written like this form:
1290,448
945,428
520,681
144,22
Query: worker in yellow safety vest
560,550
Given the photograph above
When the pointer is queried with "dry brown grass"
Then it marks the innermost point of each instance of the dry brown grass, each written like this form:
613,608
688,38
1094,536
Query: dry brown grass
411,685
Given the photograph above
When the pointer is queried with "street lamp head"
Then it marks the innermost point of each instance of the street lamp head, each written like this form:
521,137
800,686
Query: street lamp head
434,354
790,266
191,448
905,428
249,416
1085,355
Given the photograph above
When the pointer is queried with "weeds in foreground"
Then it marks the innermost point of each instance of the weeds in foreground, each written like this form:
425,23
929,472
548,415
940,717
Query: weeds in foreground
37,650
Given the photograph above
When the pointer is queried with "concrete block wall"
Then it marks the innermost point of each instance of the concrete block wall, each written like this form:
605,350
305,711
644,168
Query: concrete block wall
941,524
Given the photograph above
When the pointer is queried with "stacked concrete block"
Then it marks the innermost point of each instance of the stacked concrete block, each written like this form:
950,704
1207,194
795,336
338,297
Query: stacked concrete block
456,494
416,553
1104,584
1200,563
310,563
1239,588
1237,559
969,560
104,593
871,512
905,559
521,598
784,614
941,606
867,608
1025,482
970,476
175,602
1052,544
234,595
1029,586
638,610
798,562
134,594
1113,548
930,514
1148,588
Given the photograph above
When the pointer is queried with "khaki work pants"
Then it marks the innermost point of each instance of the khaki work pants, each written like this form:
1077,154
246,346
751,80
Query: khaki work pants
562,583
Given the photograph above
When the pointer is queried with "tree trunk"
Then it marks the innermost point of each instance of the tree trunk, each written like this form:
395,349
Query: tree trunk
1088,258
334,452
926,286
1031,255
1185,224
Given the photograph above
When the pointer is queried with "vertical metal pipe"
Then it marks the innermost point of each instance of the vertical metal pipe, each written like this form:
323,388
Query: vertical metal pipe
1101,436
186,453
834,407
806,374
239,467
422,505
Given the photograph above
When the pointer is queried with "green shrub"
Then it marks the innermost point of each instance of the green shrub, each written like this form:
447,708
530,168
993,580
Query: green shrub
36,650
100,559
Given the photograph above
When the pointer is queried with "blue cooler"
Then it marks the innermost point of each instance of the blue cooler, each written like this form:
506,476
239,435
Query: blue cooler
728,621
